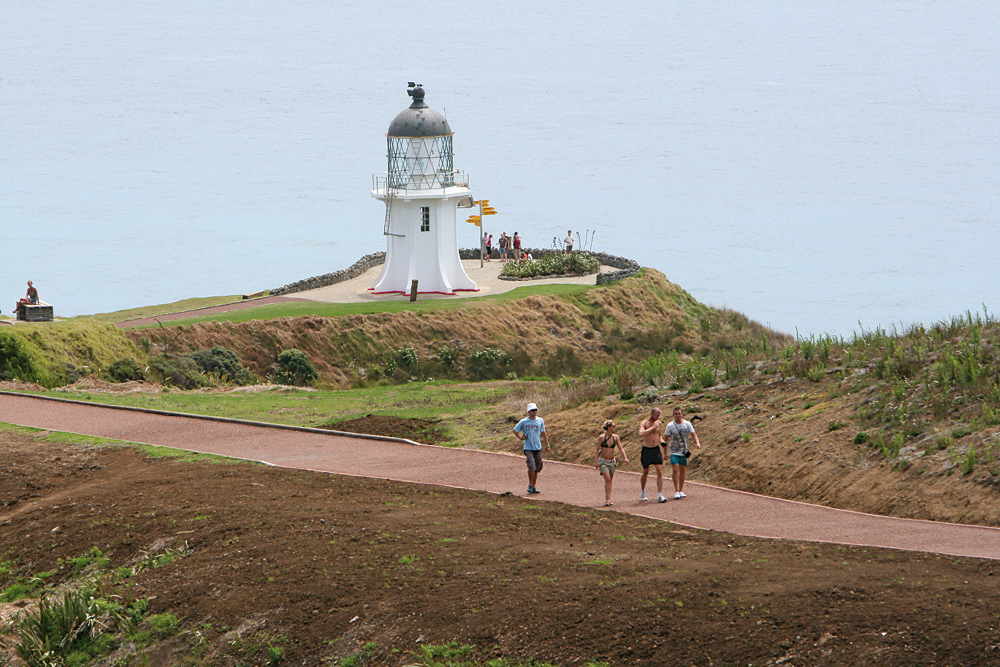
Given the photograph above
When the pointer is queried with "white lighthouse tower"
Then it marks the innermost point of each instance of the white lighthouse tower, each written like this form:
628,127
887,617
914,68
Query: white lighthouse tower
421,191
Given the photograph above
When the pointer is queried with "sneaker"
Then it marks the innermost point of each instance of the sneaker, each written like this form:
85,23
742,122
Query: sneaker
678,495
642,496
661,499
533,490
682,495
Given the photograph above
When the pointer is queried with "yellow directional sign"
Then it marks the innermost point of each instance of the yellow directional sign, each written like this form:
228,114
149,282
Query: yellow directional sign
474,220
488,210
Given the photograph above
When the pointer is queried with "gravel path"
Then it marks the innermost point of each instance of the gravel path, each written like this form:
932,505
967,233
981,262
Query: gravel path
706,507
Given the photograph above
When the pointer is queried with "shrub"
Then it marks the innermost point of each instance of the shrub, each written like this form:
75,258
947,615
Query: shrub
164,625
72,374
177,371
552,264
295,368
970,460
625,378
124,370
406,358
14,359
57,629
488,363
222,363
447,357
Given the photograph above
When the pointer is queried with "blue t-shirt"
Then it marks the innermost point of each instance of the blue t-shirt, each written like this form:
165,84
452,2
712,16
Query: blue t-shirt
533,428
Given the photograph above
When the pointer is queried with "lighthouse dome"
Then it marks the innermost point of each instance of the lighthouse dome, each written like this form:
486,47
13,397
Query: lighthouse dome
418,120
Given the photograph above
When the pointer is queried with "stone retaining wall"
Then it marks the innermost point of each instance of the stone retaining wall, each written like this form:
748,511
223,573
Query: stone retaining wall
355,270
628,268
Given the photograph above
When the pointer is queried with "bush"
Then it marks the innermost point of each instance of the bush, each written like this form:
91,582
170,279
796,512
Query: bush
295,368
164,625
222,363
177,371
14,359
57,629
124,370
447,357
488,363
406,358
552,264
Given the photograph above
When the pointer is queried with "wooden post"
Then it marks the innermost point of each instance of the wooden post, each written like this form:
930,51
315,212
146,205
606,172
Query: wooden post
413,291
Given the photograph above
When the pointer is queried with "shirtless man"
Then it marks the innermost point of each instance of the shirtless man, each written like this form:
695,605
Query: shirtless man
649,431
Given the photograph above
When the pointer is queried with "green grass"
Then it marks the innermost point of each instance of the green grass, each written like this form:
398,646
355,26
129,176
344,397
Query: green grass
50,352
165,308
417,400
322,309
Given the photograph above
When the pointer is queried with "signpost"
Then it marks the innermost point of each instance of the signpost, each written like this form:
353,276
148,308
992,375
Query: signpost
477,220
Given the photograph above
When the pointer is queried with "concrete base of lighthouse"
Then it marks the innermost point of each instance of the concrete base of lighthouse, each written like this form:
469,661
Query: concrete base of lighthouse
423,244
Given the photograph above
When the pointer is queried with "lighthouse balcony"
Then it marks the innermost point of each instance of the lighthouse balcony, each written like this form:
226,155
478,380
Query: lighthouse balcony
403,184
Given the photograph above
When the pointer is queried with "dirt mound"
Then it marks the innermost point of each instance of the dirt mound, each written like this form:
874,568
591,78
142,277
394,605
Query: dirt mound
424,431
18,385
343,570
95,384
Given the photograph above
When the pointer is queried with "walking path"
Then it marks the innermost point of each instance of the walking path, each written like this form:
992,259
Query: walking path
707,507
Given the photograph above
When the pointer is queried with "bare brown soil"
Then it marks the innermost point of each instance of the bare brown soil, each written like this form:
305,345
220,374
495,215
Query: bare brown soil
426,431
323,565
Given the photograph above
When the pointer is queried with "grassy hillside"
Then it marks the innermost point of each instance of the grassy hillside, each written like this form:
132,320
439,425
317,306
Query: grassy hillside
55,353
900,423
904,423
551,331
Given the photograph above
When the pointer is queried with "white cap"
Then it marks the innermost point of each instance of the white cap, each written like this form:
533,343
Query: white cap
532,406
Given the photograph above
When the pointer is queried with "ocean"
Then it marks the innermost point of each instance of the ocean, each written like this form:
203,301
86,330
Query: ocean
821,167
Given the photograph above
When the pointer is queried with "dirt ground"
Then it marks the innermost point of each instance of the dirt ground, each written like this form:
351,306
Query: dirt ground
332,567
427,431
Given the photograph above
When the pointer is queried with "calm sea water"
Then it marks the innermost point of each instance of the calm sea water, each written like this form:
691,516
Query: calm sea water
819,168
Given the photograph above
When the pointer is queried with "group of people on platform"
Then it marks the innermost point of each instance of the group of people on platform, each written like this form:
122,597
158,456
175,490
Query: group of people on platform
660,442
510,246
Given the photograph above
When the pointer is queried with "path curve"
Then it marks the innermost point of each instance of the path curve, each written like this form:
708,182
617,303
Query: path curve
708,507
206,310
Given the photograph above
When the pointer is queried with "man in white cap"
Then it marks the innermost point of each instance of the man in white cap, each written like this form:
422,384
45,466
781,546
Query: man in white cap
531,431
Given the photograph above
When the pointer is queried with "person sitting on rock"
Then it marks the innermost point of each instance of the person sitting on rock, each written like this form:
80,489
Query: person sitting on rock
30,298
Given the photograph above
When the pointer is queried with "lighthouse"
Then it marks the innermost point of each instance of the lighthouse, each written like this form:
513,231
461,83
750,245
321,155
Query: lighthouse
422,191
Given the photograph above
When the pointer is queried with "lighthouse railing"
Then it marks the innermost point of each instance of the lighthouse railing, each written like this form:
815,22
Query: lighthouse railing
392,183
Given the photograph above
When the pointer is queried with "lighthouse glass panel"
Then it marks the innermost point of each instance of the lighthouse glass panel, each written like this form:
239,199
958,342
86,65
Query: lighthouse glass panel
421,163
